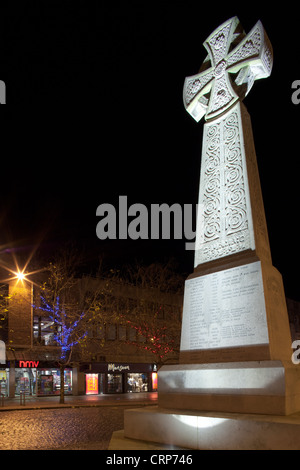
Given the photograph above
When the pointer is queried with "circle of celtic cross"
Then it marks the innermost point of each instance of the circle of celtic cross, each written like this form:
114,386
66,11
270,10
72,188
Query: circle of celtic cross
250,59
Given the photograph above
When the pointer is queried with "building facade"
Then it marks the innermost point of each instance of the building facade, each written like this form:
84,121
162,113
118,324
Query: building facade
124,346
117,356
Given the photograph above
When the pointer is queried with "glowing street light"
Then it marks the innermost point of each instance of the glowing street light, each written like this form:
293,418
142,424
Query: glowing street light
20,276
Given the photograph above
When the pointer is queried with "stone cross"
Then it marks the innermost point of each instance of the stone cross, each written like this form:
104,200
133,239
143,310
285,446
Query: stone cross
229,219
246,57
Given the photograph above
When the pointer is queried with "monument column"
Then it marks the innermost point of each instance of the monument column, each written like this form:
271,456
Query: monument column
234,315
235,385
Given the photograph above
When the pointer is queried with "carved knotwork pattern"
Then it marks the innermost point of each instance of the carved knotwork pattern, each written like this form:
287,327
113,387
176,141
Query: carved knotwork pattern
247,49
235,200
195,84
219,43
225,212
212,190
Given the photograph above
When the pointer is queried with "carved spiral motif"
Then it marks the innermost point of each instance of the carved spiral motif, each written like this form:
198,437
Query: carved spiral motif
213,228
236,213
212,184
225,219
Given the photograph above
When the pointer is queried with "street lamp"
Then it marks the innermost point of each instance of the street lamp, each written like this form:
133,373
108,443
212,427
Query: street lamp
20,275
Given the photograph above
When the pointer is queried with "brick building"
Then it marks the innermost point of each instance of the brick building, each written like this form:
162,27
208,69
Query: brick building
115,357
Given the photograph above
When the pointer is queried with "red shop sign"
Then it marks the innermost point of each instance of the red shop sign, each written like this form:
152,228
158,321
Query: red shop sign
29,364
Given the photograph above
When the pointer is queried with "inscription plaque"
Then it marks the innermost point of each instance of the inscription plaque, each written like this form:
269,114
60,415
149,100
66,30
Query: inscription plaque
225,309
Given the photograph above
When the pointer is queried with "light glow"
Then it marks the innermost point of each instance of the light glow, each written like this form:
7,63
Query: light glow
200,422
154,381
17,273
20,276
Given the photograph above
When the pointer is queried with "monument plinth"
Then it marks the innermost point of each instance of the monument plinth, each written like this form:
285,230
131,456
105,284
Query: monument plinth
235,353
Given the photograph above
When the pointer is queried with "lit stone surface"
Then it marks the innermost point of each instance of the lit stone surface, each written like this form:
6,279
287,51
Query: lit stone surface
225,218
252,58
224,309
212,431
224,207
259,378
267,387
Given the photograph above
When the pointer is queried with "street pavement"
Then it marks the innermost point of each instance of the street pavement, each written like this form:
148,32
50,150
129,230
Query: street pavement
124,399
82,423
87,428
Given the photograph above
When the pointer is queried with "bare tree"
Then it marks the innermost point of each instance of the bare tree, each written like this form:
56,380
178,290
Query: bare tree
159,336
71,305
156,318
162,276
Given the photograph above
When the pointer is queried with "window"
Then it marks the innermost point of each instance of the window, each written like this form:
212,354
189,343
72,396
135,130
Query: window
100,331
137,383
43,331
114,383
141,338
122,333
132,334
111,332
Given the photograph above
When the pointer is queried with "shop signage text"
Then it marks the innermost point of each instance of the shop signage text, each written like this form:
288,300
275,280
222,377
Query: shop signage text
119,367
92,384
28,363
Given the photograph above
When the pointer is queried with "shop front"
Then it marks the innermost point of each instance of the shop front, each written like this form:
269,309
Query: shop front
34,378
120,378
48,381
25,380
4,380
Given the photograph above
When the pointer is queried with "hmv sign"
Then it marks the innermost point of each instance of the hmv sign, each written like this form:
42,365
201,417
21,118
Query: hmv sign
29,364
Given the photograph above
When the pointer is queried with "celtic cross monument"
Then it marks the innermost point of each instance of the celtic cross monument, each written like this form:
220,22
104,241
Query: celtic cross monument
235,351
234,314
224,200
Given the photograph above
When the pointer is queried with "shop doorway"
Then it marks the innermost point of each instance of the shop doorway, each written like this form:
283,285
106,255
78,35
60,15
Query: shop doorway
48,382
94,384
137,382
25,381
114,383
101,383
4,382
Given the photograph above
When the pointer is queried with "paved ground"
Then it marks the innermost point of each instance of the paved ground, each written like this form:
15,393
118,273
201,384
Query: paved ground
133,399
83,423
65,429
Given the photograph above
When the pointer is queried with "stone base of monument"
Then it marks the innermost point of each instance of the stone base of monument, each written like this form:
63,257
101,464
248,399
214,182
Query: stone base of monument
240,405
267,387
209,430
120,442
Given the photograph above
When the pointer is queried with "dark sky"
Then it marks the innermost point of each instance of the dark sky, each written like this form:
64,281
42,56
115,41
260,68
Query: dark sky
95,111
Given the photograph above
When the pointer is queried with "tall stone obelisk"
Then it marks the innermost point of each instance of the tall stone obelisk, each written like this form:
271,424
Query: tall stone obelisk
235,383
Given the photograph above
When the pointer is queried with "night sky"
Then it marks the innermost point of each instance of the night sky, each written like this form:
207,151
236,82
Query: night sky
95,111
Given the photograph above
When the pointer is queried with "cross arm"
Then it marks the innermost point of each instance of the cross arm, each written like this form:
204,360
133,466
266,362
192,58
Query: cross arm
252,57
249,60
194,89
